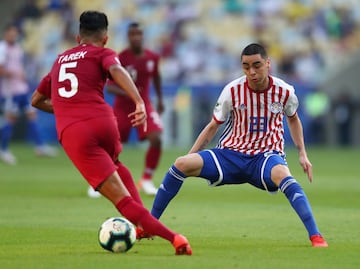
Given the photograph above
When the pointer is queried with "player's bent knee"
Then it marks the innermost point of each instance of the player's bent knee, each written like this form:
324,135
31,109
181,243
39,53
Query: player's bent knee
279,172
190,164
181,163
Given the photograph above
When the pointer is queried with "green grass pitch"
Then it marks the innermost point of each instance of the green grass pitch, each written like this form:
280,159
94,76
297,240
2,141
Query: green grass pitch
47,220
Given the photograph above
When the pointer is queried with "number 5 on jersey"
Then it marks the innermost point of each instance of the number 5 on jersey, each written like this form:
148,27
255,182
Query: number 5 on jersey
65,75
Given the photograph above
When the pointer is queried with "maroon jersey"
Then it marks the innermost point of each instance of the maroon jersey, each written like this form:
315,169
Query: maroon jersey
141,69
77,80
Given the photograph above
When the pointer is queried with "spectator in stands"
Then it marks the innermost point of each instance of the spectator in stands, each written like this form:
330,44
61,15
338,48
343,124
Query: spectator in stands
30,10
344,108
66,11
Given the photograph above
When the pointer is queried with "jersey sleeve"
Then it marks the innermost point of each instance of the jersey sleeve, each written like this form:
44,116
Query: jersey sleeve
45,86
110,58
223,106
2,53
292,104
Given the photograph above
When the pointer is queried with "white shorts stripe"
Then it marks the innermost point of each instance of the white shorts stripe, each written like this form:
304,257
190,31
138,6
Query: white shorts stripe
221,174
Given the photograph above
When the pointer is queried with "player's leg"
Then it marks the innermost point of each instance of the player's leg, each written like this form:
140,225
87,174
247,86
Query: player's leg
124,127
10,117
6,133
98,165
281,177
128,181
41,149
152,158
113,189
185,166
153,153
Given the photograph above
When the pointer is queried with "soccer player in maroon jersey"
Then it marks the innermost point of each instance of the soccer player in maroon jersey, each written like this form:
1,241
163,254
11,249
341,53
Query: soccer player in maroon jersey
86,124
251,147
143,67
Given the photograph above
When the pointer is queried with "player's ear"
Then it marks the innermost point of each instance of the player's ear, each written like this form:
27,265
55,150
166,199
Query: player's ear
78,39
268,63
105,39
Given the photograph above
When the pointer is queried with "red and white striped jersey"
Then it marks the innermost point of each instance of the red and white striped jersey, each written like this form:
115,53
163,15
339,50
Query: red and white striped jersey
254,120
12,59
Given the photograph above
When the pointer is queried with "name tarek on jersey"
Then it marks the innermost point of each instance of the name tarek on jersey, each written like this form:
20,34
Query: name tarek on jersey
72,57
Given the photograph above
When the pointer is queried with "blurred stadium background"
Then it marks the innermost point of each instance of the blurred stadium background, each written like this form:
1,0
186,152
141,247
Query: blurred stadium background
314,44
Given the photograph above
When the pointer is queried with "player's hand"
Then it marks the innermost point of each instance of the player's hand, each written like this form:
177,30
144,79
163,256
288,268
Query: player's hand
139,116
307,166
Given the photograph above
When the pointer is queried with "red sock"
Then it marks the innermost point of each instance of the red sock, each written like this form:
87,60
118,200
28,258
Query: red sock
152,159
139,216
128,181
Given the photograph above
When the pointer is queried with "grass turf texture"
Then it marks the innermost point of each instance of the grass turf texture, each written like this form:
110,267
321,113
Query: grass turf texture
47,220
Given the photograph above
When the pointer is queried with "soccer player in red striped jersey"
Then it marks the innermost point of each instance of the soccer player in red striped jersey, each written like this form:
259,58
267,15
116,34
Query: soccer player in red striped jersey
87,127
251,147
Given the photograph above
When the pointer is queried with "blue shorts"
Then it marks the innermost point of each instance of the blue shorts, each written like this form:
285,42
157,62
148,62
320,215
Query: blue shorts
18,103
224,166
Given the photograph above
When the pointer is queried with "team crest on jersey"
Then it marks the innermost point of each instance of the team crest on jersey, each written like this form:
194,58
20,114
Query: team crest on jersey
150,65
276,107
132,72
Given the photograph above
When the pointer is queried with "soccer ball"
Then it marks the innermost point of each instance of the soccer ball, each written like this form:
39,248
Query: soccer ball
117,234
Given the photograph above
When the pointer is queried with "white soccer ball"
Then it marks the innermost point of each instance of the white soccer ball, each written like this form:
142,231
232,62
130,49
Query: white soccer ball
117,234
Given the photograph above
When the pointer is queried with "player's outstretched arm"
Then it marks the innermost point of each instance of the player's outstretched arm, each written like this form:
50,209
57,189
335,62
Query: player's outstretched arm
41,102
296,131
205,137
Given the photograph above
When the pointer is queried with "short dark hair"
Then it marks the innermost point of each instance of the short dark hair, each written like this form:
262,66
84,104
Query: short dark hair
93,23
134,24
253,49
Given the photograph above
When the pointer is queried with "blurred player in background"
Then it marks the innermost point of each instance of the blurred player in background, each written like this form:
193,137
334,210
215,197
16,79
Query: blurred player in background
15,95
143,67
251,147
87,127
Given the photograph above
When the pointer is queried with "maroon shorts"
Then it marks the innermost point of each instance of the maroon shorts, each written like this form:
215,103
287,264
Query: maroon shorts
93,146
122,112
